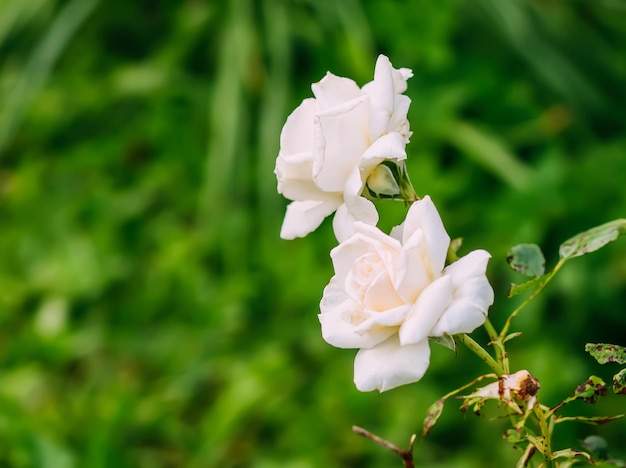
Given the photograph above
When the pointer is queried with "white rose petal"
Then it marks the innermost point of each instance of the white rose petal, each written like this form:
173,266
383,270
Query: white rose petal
337,331
340,327
389,318
355,208
462,316
389,365
381,92
297,134
470,266
303,217
300,186
414,274
344,144
334,90
380,294
428,309
388,147
424,216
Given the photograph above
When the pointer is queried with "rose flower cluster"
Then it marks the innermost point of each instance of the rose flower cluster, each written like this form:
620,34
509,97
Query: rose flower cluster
390,292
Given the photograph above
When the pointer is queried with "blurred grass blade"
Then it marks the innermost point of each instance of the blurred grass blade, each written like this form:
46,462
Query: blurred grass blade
229,160
522,26
40,64
226,112
14,13
490,152
272,109
359,37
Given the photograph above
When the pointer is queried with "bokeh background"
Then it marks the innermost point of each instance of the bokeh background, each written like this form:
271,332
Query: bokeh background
150,316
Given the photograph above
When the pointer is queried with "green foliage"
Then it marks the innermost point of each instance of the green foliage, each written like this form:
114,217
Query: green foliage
516,289
619,382
570,454
432,415
528,259
589,390
593,239
149,313
603,352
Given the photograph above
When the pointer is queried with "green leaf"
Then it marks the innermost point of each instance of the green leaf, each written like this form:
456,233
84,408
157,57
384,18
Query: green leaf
570,453
619,382
589,390
434,410
527,259
605,352
432,415
593,420
516,289
593,239
510,336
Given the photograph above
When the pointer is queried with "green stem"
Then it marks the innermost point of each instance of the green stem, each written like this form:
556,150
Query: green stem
481,353
550,275
491,331
498,345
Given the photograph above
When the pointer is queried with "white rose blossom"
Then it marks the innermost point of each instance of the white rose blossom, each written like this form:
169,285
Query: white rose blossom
390,293
330,145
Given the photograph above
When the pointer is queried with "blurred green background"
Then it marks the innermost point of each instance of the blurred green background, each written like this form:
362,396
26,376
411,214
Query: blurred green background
150,316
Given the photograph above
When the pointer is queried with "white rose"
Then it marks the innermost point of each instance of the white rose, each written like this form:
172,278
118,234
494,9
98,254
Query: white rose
331,143
390,293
